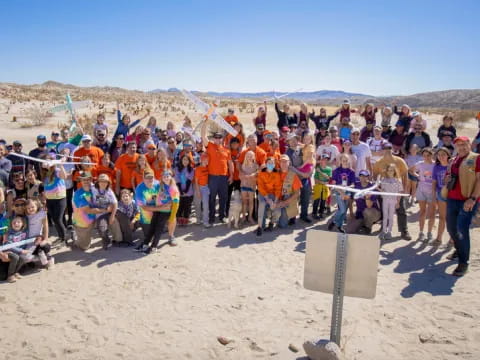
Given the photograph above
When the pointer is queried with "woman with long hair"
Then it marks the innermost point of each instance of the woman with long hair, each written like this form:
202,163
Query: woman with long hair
439,171
137,173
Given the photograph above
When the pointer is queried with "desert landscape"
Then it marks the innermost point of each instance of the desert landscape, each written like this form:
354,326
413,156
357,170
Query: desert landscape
225,284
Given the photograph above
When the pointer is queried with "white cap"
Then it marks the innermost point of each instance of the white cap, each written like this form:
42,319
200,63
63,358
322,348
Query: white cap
86,138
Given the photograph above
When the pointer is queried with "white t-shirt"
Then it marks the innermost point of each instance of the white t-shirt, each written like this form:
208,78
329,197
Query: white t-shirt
362,152
35,223
331,150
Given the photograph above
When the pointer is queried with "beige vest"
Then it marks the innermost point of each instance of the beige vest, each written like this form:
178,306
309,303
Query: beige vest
287,191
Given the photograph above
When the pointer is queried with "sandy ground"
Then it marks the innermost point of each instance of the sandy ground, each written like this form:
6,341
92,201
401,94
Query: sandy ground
175,303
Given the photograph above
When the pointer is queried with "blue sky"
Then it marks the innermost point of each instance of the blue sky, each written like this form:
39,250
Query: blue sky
374,47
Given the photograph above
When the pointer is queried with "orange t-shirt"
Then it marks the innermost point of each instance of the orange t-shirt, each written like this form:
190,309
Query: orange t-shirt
269,183
158,171
236,173
229,137
265,146
297,184
276,155
231,119
201,175
151,159
260,156
94,153
126,164
218,157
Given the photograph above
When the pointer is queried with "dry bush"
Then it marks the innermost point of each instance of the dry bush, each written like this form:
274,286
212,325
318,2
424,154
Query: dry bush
36,116
86,123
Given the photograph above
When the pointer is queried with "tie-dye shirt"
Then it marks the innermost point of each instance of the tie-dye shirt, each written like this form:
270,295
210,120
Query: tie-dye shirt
145,196
54,189
82,198
168,194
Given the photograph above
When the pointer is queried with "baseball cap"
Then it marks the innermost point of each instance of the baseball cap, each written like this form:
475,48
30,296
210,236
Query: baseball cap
399,123
461,138
415,113
325,156
17,143
86,138
85,175
346,141
333,128
41,137
446,133
55,133
294,125
364,173
387,145
148,173
355,130
378,127
284,157
346,101
285,129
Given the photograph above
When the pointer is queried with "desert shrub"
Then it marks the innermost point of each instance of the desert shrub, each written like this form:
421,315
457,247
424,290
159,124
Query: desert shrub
35,116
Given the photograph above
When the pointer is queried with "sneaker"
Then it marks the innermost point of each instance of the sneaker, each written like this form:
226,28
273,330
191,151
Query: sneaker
198,222
148,250
429,237
307,220
73,236
453,256
259,232
51,263
388,236
17,276
141,248
223,220
43,258
421,237
461,270
11,279
381,236
269,228
291,221
406,236
207,225
340,229
172,241
330,226
329,211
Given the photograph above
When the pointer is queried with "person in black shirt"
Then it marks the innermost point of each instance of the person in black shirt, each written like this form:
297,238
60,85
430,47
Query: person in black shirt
284,117
322,120
38,152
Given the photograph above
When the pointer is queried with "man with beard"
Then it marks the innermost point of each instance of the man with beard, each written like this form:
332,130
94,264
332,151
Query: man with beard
39,152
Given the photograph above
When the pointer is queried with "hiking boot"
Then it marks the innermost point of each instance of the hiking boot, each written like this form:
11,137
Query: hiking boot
307,220
259,232
148,250
421,237
269,228
461,270
406,235
340,229
207,226
291,221
140,248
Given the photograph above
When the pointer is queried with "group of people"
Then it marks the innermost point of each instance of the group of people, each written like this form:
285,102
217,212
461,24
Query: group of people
155,179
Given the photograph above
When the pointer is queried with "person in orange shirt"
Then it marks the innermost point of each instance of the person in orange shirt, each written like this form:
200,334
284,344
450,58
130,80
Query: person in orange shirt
124,166
87,149
151,153
84,167
107,167
260,155
274,152
235,185
220,172
161,163
240,136
138,172
269,192
231,118
267,143
287,207
202,191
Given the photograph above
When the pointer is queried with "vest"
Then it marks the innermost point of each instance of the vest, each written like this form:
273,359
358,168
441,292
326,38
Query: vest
287,191
466,174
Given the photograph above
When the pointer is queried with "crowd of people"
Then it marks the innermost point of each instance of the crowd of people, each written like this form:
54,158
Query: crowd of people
157,178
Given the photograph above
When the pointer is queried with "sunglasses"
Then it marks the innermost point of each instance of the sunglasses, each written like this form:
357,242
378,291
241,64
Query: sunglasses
19,205
166,174
100,135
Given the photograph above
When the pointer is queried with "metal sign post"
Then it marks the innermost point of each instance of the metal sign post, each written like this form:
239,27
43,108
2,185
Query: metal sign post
338,288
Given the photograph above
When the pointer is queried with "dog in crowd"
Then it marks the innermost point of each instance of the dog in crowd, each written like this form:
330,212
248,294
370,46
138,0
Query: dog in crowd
235,209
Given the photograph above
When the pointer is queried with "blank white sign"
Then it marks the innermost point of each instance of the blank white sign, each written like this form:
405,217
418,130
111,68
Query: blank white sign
362,263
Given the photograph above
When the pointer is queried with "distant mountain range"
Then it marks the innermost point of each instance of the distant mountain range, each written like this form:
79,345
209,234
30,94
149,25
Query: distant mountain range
53,90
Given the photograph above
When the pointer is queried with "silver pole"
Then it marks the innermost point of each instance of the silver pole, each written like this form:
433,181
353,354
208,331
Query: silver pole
338,288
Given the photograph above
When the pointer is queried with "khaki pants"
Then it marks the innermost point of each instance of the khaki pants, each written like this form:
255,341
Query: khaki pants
370,217
84,237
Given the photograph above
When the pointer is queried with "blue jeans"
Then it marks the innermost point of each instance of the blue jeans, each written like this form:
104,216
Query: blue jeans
305,193
218,185
341,213
262,209
458,226
205,198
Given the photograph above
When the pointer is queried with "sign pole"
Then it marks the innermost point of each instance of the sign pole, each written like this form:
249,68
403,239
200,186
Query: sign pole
338,288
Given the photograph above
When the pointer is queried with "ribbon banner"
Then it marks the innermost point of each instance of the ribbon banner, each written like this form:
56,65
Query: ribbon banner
16,244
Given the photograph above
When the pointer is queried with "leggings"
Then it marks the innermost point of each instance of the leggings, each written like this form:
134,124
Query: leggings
159,219
16,262
56,209
388,210
185,207
69,212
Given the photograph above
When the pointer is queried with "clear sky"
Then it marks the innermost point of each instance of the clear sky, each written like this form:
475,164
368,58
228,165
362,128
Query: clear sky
374,47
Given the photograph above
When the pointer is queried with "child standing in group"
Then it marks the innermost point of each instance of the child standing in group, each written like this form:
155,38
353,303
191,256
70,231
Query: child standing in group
100,125
447,126
343,176
439,172
390,183
183,177
127,215
201,190
171,129
345,128
323,174
248,185
369,114
424,171
412,159
38,228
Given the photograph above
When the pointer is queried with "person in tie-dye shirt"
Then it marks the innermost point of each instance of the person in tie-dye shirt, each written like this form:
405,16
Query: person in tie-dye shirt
55,193
146,196
166,194
84,212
